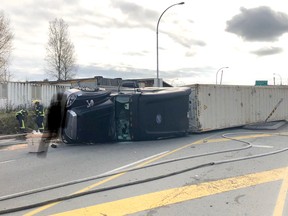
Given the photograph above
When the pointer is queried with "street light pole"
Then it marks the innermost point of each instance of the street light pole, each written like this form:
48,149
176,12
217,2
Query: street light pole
158,84
221,74
279,77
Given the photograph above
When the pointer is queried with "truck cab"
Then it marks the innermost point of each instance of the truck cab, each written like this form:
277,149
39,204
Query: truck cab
141,114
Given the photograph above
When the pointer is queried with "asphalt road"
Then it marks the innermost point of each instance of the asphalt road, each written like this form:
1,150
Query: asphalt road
241,177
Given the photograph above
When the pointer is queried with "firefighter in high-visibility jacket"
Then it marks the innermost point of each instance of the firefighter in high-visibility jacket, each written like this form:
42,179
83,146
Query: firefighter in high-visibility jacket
21,117
39,114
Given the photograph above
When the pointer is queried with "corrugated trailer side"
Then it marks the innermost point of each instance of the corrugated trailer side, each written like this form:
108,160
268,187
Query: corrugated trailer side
223,106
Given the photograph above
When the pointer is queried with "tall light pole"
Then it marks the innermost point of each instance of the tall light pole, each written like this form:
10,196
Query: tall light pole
158,84
221,74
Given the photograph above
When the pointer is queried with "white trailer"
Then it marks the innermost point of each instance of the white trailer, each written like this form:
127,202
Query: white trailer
215,107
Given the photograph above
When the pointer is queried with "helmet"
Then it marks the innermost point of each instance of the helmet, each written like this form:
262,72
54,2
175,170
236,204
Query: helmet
35,101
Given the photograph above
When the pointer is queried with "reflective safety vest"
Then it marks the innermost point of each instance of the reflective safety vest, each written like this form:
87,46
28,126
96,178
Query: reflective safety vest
21,112
20,115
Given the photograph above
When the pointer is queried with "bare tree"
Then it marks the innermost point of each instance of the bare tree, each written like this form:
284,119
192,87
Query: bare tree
5,47
60,55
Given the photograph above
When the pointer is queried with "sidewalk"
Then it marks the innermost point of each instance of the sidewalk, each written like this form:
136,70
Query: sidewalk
16,139
12,141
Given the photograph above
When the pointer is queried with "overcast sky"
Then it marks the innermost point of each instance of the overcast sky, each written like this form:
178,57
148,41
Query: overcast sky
117,38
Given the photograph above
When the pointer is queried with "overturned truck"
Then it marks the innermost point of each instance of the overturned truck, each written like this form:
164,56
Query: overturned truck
155,113
142,114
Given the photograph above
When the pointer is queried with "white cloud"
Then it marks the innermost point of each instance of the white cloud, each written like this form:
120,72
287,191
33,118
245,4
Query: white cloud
259,24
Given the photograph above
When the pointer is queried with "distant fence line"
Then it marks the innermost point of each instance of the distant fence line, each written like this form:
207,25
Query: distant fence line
14,95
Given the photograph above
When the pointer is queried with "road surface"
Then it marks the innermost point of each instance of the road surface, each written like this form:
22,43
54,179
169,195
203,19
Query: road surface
200,174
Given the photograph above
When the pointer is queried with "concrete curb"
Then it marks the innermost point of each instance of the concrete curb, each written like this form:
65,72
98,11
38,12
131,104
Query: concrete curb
3,137
13,139
10,142
17,139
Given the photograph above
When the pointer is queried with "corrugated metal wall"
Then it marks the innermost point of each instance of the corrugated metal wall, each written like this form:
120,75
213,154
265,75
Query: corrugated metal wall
18,94
220,106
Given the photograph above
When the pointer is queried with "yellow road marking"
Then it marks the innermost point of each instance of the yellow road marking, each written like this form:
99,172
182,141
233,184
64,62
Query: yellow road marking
177,195
278,210
205,140
80,191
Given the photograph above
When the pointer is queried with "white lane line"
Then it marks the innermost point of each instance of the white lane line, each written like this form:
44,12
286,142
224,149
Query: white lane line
262,146
136,162
8,161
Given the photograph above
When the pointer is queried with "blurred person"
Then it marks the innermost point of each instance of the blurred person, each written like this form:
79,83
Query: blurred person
54,118
53,125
